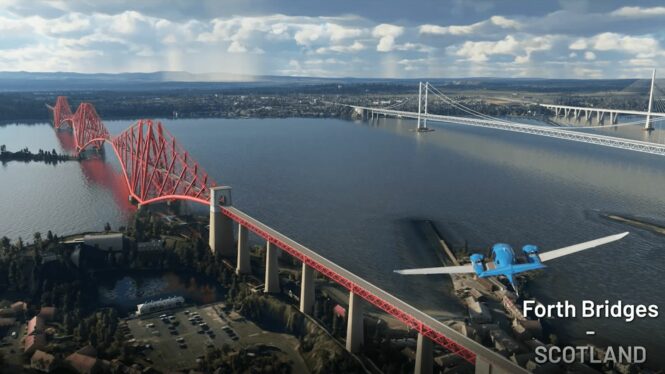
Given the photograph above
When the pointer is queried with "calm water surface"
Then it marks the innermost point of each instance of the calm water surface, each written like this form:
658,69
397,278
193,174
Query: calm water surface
350,189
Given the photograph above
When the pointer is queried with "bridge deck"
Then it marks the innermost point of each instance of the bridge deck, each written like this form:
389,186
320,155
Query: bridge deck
409,315
620,111
578,136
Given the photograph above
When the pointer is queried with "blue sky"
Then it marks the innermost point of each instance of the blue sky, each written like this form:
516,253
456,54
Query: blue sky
337,38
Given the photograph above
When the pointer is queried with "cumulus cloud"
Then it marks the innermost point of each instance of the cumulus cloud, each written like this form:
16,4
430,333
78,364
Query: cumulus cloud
521,49
641,46
81,35
386,34
478,27
638,12
355,47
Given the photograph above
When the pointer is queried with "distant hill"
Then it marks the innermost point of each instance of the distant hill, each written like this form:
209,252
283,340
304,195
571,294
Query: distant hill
170,80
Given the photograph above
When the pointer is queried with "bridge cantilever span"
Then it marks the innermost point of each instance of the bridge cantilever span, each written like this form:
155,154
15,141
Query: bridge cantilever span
154,165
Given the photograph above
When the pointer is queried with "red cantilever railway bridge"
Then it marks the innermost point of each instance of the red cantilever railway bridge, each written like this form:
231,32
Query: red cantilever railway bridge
157,169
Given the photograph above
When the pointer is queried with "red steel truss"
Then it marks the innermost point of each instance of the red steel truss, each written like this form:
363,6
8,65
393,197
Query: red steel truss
62,113
155,167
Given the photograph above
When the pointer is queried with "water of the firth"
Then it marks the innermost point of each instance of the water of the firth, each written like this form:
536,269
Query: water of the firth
350,190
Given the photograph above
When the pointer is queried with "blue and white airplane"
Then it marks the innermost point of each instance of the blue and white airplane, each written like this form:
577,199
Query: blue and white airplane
505,263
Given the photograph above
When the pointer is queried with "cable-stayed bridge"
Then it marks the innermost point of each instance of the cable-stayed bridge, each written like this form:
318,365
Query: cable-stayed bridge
577,112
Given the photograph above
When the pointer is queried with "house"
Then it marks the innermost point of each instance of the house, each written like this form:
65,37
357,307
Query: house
88,350
339,311
42,361
83,364
19,307
35,326
47,313
7,322
33,342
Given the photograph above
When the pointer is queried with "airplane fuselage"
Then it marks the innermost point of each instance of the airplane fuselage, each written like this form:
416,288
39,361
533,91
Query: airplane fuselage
505,263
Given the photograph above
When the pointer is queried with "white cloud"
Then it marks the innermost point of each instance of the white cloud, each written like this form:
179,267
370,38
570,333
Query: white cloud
478,27
641,46
90,37
355,47
521,49
412,64
386,34
639,12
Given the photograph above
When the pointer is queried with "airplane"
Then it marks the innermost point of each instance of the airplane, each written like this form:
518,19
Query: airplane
505,262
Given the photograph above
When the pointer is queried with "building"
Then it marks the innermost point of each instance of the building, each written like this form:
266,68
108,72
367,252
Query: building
105,242
157,305
47,313
7,322
35,326
83,364
19,307
32,343
42,361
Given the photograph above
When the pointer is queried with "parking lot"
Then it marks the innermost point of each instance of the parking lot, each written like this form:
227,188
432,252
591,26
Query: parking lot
178,337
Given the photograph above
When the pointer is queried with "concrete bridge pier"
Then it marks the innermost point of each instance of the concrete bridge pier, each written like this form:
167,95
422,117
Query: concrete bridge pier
307,289
424,356
221,227
272,270
354,324
242,264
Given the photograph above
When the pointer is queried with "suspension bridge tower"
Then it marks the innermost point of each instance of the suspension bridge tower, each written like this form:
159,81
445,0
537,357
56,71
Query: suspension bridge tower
648,126
422,107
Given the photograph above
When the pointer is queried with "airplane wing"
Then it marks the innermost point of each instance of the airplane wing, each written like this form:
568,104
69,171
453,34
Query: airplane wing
556,253
439,270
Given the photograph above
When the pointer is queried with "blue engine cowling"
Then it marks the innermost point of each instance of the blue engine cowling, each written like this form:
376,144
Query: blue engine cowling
477,262
531,252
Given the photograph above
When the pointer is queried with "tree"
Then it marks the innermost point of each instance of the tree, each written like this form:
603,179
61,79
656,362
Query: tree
49,236
107,227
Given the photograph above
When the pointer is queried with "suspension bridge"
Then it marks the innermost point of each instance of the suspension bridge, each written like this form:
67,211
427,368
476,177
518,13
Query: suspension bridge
157,169
477,119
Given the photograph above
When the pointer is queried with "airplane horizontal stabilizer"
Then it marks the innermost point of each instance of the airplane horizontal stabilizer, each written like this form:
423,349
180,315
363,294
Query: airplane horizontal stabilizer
438,270
556,253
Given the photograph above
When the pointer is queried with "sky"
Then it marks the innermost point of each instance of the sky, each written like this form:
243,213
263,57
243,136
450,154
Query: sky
337,38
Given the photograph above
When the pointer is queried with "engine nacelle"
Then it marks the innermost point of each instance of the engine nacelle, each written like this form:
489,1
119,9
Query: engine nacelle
477,262
531,252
